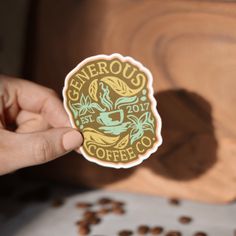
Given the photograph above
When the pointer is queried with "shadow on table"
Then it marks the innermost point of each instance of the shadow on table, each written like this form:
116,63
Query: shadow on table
189,143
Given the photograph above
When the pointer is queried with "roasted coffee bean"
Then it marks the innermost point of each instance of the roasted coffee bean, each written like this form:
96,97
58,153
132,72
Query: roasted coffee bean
125,233
117,204
93,220
157,230
118,210
88,214
174,201
103,211
84,230
83,205
173,233
82,223
104,201
143,229
200,234
185,219
58,202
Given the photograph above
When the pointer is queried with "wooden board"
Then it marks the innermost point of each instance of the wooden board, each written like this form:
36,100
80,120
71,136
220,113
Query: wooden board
190,47
13,24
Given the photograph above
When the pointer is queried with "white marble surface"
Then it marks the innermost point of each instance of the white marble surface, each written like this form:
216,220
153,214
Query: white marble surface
41,219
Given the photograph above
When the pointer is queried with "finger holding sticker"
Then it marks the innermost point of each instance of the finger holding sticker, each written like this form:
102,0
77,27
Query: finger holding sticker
110,100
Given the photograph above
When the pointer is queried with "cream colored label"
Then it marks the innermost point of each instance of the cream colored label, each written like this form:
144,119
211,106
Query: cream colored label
110,100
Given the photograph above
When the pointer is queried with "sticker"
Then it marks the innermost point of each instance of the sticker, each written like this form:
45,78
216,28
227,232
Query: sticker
110,100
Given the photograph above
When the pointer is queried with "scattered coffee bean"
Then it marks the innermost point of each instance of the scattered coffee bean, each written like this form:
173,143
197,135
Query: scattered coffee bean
91,217
103,211
185,219
93,220
58,202
83,205
117,204
88,214
143,229
118,210
82,223
104,201
157,230
174,201
173,233
84,230
200,234
125,233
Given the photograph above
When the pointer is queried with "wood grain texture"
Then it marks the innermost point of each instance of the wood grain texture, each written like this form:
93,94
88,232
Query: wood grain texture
190,47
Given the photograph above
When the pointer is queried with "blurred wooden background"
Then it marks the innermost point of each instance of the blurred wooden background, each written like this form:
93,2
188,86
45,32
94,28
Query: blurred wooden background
13,34
190,47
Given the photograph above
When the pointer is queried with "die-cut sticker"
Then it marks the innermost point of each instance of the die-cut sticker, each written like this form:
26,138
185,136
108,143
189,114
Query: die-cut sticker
109,99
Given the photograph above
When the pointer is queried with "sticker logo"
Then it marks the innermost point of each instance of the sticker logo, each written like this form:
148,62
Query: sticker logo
110,100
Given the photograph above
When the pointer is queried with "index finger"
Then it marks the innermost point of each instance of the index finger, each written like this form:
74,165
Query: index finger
38,99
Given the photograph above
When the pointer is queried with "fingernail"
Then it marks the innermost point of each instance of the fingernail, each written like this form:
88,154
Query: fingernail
72,140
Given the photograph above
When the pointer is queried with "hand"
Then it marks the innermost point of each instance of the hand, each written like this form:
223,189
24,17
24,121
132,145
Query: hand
42,126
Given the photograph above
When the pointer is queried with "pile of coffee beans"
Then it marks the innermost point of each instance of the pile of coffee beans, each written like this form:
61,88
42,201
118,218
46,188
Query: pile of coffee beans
159,230
105,206
146,230
143,230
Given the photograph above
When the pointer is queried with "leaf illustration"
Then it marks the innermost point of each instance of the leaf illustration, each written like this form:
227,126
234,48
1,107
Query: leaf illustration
143,117
135,135
82,111
93,136
125,100
93,88
120,87
97,106
134,119
139,125
123,142
76,106
148,127
74,111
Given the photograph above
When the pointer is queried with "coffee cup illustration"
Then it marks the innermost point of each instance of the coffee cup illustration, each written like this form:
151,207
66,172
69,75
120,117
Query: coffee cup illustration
111,118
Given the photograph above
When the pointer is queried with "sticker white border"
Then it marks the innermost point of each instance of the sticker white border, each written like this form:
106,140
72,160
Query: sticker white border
141,157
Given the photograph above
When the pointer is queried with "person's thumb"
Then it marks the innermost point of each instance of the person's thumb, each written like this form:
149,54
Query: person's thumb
36,148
